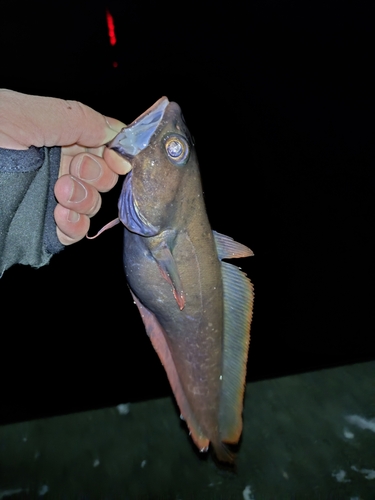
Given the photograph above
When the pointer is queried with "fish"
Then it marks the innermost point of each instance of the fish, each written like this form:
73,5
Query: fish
196,308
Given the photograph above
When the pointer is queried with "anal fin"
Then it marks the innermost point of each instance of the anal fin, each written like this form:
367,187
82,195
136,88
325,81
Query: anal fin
157,336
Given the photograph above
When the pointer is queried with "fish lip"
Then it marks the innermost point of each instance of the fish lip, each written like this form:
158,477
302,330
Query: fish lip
134,138
130,214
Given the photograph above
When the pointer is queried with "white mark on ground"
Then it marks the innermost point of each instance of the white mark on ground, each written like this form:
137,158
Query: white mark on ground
143,463
340,476
36,455
96,462
247,495
370,473
285,475
361,422
8,493
43,490
348,434
24,439
123,409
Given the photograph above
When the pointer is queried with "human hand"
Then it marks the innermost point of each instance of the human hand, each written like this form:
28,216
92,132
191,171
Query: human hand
87,167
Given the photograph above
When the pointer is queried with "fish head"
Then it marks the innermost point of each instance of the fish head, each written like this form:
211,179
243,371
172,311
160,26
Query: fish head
164,169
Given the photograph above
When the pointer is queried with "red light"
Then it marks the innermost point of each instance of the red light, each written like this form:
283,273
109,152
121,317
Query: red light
111,28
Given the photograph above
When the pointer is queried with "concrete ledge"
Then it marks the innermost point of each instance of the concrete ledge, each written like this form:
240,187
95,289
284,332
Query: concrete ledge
306,436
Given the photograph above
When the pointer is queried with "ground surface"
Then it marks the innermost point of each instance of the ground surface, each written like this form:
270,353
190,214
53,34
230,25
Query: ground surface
305,436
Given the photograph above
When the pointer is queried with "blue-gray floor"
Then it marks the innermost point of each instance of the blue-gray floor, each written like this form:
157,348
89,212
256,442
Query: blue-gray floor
305,436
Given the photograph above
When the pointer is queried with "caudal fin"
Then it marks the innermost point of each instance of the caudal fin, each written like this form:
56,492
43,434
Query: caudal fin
223,453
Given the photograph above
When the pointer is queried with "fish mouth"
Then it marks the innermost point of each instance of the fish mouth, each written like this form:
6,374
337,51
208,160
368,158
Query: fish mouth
136,137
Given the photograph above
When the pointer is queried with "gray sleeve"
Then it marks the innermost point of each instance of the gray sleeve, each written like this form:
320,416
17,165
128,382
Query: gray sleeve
27,227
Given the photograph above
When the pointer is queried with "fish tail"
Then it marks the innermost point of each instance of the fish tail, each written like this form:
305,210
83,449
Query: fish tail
223,453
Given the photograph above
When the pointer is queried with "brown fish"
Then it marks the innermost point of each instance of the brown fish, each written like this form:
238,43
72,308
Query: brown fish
196,309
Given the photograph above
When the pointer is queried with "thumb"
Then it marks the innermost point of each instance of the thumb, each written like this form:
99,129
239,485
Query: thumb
27,120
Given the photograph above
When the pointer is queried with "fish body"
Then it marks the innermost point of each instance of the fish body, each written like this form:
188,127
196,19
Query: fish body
196,309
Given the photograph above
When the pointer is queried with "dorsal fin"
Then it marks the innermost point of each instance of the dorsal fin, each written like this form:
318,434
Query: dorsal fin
227,248
238,309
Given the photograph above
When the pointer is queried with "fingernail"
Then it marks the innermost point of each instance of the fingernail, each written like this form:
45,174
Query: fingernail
89,169
73,216
78,192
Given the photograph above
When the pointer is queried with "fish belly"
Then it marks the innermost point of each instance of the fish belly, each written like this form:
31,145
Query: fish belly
194,334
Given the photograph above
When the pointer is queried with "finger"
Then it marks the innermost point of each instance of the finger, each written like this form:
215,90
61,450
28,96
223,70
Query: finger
77,195
45,121
117,163
75,150
93,170
71,226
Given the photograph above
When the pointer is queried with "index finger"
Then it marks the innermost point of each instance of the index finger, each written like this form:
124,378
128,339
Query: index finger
47,121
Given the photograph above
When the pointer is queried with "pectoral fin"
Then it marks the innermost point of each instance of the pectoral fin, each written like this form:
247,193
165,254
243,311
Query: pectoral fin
158,339
168,269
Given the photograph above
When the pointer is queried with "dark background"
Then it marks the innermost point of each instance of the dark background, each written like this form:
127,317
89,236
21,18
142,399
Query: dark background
279,99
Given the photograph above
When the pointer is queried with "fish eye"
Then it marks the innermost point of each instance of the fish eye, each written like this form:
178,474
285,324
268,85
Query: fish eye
177,149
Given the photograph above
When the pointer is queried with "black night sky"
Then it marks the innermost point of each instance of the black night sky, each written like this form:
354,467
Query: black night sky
278,97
